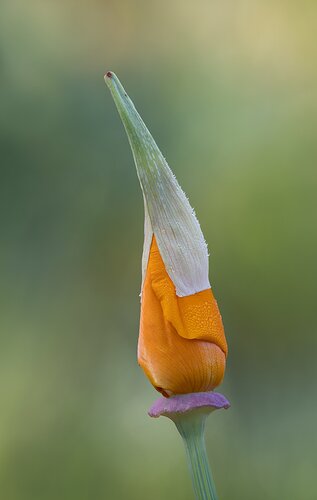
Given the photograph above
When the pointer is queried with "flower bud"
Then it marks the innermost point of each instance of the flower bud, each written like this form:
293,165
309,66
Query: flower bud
182,346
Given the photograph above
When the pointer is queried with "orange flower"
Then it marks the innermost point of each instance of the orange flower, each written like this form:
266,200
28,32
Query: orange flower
182,346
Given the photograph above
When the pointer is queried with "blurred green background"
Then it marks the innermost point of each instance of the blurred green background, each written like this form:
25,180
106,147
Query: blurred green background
228,90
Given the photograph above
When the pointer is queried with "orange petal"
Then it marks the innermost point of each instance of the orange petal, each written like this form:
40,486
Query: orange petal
182,347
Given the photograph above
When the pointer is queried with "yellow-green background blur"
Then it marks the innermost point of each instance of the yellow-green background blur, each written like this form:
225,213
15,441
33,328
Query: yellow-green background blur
228,89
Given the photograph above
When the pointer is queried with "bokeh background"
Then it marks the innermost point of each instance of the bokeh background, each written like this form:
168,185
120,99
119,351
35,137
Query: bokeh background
228,90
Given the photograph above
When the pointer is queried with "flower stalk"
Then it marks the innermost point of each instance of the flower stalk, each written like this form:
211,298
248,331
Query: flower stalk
191,427
189,413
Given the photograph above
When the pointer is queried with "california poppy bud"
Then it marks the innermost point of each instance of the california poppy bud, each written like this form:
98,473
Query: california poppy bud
182,346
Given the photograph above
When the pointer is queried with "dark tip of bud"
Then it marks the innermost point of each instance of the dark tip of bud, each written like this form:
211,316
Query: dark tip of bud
109,74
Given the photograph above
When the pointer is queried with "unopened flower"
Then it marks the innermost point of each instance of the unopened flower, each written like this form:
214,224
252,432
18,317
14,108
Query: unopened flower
182,346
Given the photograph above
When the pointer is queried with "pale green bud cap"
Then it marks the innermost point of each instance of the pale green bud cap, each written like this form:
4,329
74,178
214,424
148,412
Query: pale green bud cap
168,214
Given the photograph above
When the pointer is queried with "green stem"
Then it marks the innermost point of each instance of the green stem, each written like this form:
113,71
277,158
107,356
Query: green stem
191,427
